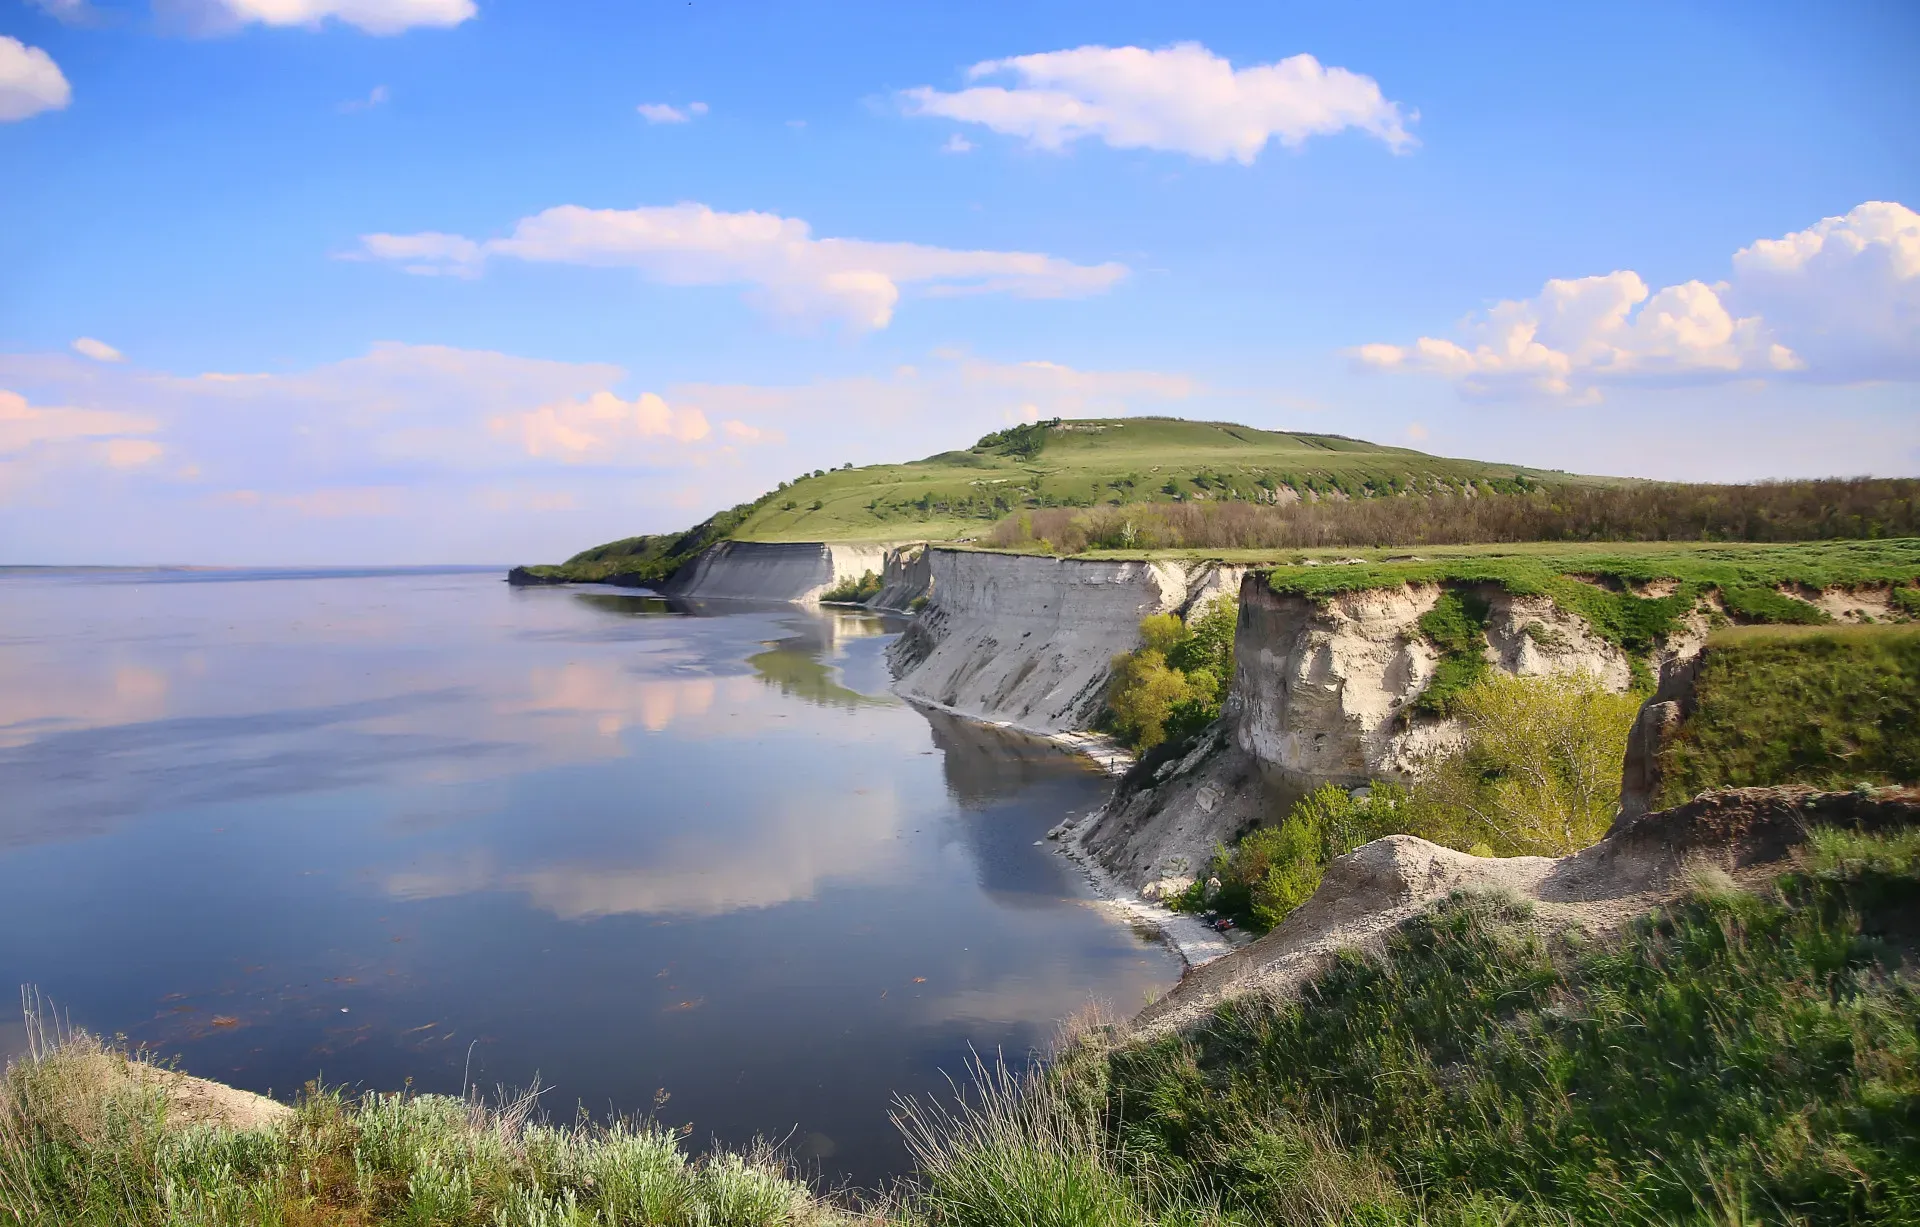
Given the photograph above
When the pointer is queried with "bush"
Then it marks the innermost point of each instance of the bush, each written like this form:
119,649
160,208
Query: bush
1174,683
1538,772
851,591
1273,870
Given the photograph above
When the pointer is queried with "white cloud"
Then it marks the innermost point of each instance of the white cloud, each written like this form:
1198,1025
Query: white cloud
1837,302
23,426
957,144
599,426
372,16
1845,291
789,272
1182,99
377,96
667,113
99,351
30,82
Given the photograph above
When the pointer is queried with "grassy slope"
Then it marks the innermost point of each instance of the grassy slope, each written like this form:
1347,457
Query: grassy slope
1828,708
1734,1058
1095,461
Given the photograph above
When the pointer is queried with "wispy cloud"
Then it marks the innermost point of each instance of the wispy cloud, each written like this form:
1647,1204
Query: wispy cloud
788,272
376,97
1181,99
667,113
382,17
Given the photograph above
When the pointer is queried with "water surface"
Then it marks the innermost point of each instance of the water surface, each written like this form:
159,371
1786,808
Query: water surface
379,826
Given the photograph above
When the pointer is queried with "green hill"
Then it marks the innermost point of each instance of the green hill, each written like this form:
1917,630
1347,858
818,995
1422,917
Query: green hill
959,494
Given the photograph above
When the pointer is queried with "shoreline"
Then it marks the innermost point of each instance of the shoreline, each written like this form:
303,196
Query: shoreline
1195,943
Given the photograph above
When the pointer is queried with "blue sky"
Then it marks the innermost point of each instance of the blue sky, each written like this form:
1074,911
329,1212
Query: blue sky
419,280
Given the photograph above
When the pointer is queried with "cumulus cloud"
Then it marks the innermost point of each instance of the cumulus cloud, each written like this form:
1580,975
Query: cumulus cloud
667,113
1837,302
599,426
372,16
98,350
1181,99
30,82
788,271
1845,291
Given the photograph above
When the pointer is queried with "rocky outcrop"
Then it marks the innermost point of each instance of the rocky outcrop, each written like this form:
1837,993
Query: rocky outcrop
1323,692
1746,834
520,577
1325,688
1029,640
773,570
907,577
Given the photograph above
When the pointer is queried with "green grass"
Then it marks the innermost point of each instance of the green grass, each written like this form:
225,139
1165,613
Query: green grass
1733,1058
960,494
83,1144
1593,581
1457,626
1828,707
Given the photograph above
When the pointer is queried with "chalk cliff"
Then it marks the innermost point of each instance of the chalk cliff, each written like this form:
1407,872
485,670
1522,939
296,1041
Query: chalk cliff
1029,640
773,570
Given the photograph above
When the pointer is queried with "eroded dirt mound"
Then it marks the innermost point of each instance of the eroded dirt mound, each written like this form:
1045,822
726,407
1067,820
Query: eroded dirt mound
1745,832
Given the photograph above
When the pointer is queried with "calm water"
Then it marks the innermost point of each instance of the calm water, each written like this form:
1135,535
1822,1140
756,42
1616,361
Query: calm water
376,826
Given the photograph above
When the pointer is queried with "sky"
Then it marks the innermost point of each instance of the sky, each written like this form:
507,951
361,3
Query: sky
438,281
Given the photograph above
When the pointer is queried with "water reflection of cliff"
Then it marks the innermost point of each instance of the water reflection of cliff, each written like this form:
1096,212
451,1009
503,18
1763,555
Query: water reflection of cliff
985,764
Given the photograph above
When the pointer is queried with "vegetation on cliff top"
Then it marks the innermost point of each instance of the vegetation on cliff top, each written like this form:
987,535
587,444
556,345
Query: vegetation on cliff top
1563,510
1830,708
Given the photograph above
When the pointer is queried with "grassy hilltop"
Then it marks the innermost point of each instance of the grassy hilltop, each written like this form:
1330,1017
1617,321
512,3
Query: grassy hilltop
960,494
1163,486
1061,466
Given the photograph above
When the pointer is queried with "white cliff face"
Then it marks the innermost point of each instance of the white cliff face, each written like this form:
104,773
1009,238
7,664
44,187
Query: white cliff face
1030,640
775,570
906,577
1323,690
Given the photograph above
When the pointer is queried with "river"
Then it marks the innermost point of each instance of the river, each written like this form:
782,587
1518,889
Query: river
387,826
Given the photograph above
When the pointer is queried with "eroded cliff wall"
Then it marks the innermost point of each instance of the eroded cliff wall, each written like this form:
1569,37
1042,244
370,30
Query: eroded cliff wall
774,570
1324,691
1030,640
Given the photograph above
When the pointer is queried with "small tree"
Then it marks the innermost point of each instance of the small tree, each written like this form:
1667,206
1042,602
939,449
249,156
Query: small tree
1539,770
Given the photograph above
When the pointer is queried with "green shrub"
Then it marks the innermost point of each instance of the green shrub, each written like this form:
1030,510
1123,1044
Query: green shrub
851,591
1906,601
1172,686
1273,870
1538,772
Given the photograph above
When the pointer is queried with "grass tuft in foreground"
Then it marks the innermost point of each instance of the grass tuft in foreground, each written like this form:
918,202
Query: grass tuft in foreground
89,1137
1733,1058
